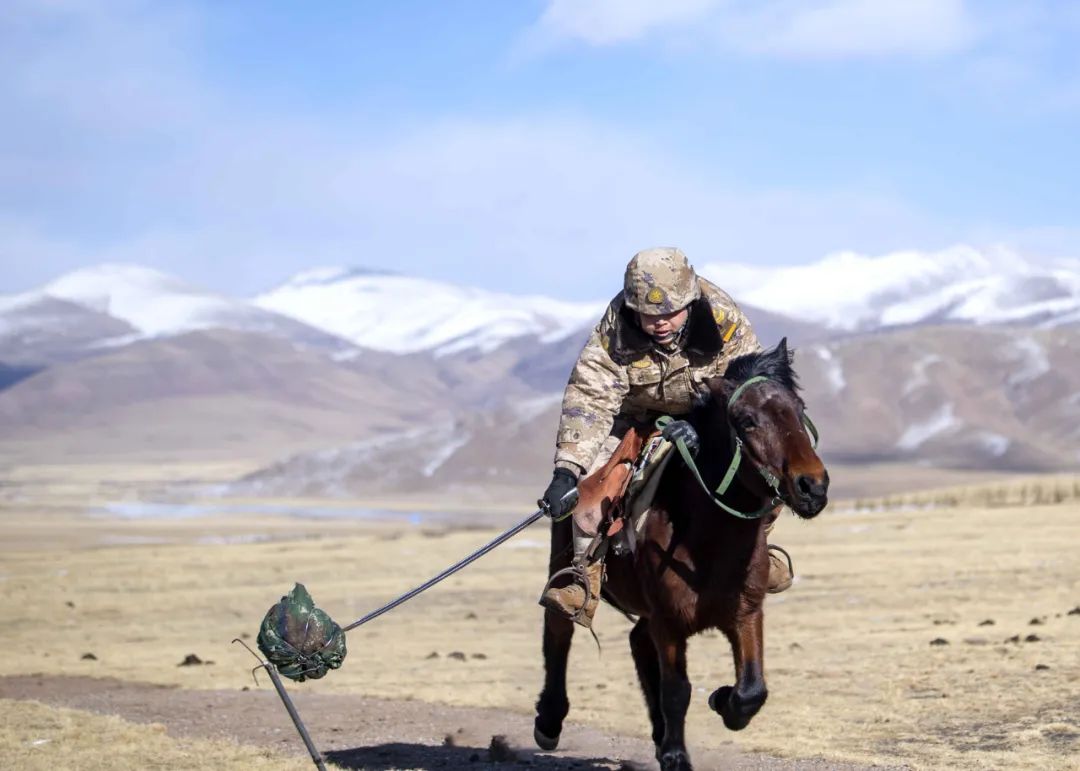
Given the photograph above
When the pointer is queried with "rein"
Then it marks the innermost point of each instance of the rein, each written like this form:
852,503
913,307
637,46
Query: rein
736,459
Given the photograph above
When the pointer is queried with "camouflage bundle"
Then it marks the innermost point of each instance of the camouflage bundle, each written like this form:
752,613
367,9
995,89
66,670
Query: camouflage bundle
300,640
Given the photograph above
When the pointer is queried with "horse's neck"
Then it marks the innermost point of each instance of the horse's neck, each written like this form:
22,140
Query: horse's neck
714,460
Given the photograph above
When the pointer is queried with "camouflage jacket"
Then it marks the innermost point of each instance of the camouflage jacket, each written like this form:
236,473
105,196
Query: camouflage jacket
622,372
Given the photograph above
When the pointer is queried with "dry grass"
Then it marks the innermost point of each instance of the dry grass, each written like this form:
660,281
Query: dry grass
34,736
851,668
1045,490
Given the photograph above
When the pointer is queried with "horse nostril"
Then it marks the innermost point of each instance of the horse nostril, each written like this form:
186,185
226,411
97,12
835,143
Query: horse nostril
810,487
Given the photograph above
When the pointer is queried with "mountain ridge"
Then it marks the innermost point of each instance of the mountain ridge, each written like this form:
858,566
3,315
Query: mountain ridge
347,310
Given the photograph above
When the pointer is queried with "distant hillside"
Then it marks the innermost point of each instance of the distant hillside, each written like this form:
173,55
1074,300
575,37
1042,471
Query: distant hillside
40,330
85,311
213,391
954,397
120,360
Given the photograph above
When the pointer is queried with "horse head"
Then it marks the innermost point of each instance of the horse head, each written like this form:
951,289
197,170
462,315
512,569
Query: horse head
758,401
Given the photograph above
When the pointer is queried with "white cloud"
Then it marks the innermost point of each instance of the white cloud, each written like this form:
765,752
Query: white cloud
114,148
565,201
171,173
852,28
786,28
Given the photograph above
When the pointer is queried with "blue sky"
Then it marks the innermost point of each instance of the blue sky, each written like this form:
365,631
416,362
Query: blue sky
529,146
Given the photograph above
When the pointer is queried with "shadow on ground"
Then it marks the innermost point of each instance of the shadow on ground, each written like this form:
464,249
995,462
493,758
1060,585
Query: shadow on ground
385,757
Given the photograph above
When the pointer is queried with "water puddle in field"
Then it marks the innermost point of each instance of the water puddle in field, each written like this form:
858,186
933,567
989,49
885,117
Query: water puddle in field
180,510
187,510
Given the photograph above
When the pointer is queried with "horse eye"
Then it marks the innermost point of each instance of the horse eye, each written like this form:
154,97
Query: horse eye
747,423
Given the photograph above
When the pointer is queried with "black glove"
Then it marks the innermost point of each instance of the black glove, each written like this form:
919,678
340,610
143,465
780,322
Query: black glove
680,429
556,503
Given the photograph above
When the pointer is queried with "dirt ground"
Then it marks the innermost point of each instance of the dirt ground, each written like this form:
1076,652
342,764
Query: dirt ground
355,731
942,638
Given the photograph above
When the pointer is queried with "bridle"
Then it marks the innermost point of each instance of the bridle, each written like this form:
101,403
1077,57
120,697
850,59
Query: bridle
771,479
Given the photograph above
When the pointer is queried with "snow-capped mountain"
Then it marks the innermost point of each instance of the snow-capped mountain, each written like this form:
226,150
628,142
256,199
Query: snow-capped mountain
945,397
136,302
850,292
167,365
155,303
337,309
401,314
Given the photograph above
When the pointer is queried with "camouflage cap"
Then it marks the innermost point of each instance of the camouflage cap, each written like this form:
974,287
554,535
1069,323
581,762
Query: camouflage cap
660,281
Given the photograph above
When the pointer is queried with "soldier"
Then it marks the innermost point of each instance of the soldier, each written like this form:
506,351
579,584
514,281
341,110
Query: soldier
659,340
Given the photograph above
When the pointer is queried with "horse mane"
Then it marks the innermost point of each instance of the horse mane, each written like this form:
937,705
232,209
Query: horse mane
774,364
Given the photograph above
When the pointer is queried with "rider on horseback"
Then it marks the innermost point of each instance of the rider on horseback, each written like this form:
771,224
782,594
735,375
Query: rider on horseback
659,340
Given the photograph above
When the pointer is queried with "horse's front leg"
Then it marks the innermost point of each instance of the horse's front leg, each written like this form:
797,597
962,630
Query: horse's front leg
674,697
746,633
647,663
552,706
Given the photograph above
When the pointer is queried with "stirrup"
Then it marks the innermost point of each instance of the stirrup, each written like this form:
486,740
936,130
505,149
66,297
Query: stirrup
785,582
579,576
782,550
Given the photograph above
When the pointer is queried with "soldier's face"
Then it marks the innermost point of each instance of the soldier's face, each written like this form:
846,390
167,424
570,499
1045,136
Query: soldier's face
664,327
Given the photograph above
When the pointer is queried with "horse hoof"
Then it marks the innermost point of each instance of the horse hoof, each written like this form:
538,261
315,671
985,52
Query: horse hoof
545,743
722,702
719,697
675,760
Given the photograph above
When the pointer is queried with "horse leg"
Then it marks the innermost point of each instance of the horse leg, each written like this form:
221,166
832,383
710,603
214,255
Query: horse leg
674,699
552,706
739,704
647,663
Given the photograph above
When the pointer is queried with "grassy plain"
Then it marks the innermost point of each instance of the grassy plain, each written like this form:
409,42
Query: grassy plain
36,737
931,637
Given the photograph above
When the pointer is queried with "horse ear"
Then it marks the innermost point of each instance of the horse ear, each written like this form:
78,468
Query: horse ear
781,347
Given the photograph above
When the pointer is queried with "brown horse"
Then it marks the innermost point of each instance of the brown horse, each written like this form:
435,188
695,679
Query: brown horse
697,566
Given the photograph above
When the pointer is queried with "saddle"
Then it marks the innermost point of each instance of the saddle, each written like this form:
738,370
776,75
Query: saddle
615,498
612,504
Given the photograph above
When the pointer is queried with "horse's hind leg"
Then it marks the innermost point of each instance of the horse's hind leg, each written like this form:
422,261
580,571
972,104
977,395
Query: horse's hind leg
738,705
552,706
674,699
647,663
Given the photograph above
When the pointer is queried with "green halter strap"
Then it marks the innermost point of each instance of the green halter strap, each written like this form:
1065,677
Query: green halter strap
736,459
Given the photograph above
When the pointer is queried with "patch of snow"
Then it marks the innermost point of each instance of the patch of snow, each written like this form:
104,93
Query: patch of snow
919,377
939,303
329,469
347,354
1033,362
445,453
527,409
33,313
994,444
1072,317
117,342
16,302
401,314
154,303
850,291
834,370
916,435
151,301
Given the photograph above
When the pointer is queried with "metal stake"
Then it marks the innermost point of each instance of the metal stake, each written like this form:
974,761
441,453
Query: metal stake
316,756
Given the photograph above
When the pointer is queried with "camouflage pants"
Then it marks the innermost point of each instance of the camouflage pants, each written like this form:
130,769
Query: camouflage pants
618,430
607,449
